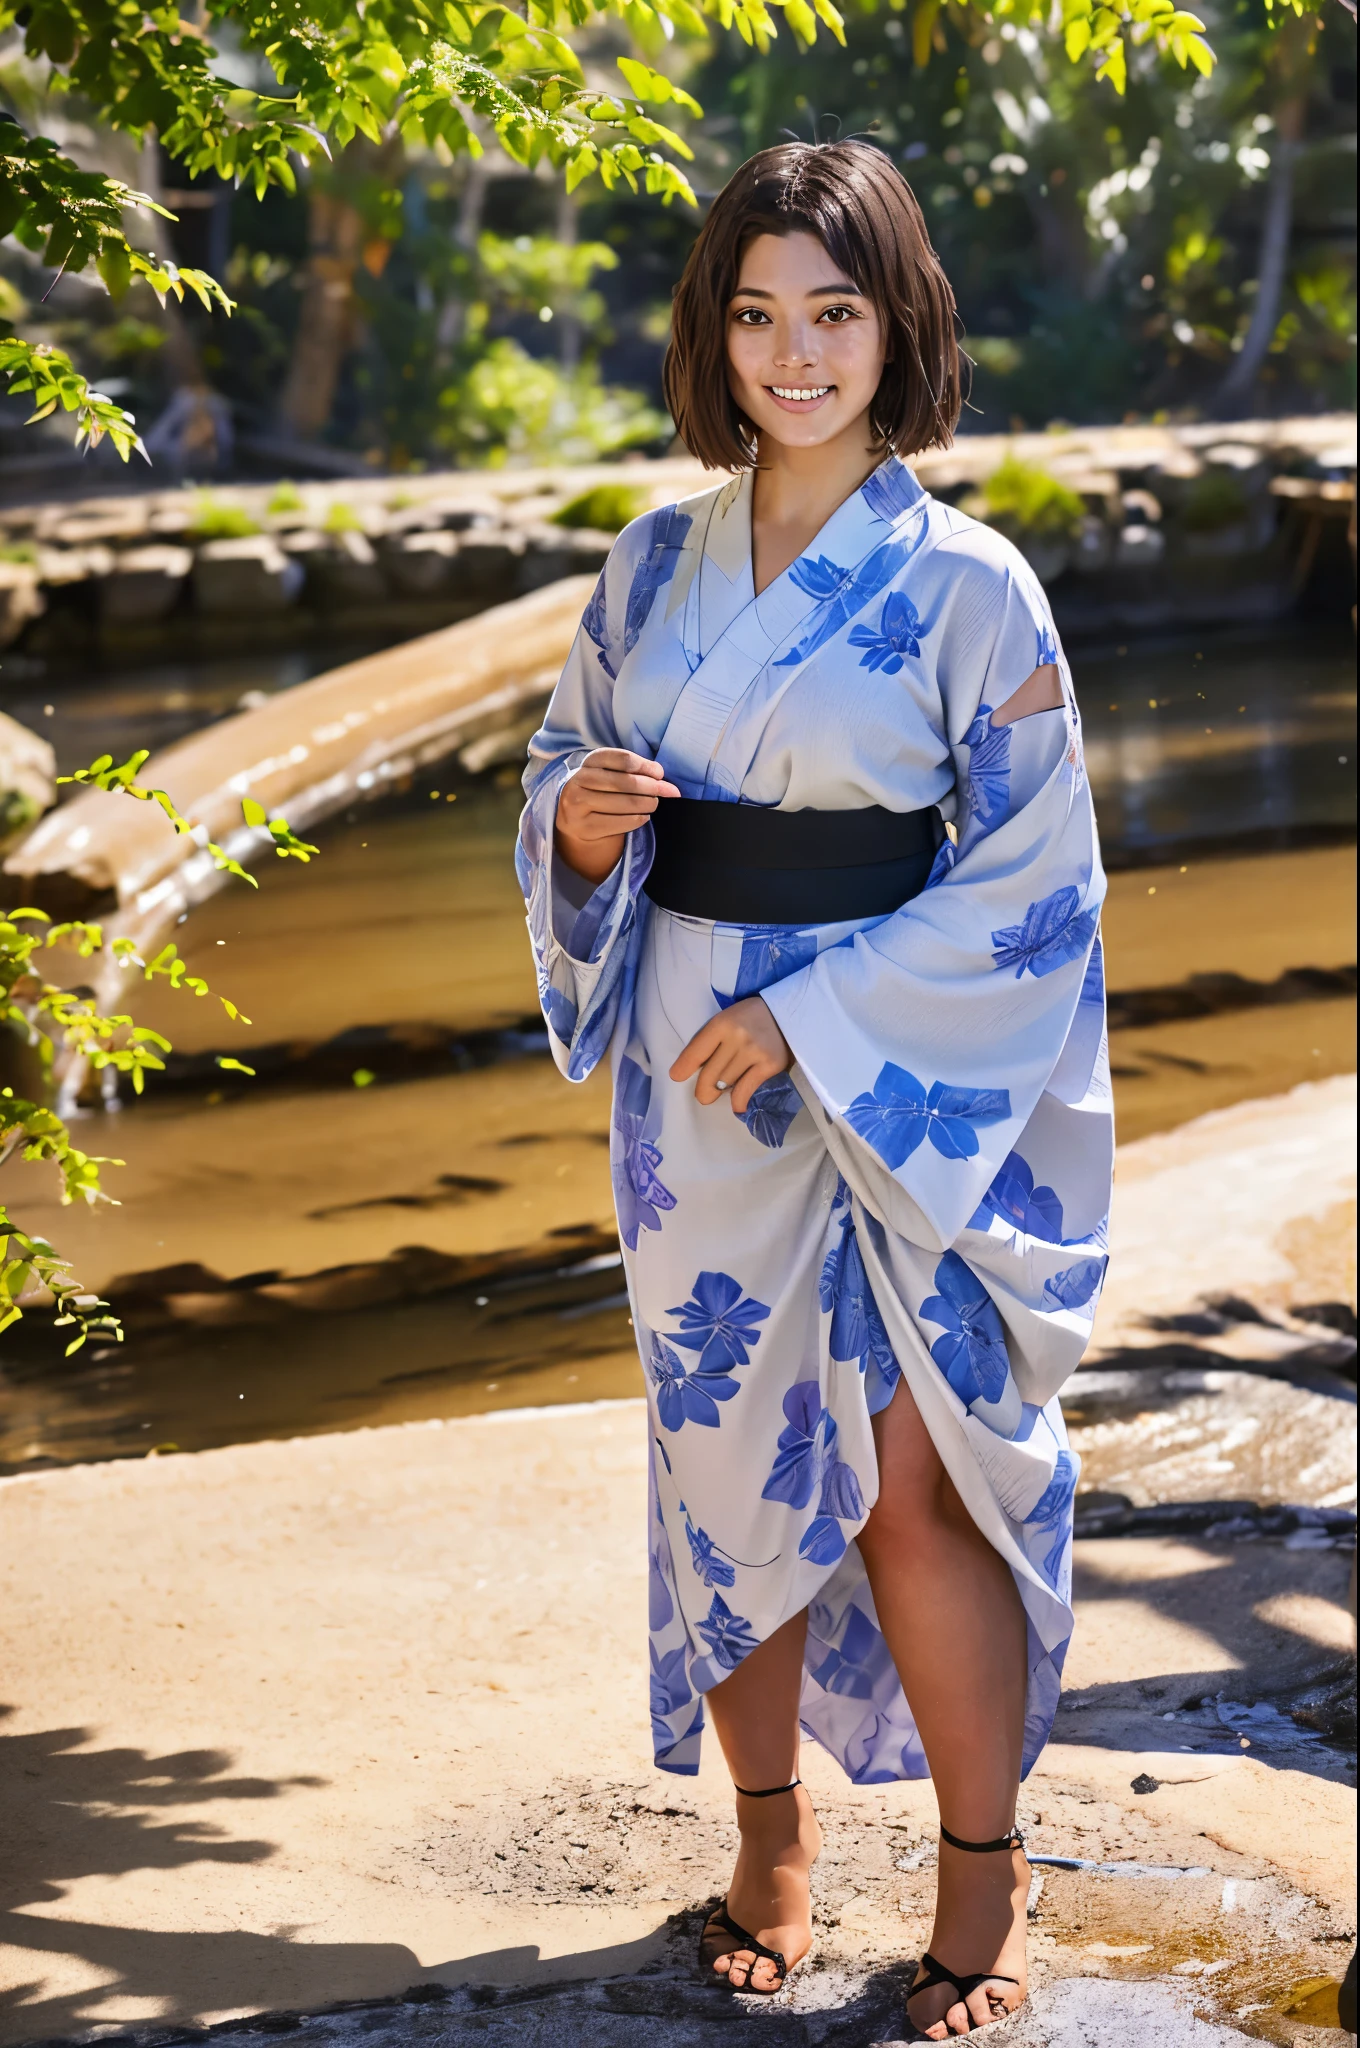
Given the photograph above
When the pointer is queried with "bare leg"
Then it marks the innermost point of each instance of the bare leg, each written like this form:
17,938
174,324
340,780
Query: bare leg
755,1712
949,1609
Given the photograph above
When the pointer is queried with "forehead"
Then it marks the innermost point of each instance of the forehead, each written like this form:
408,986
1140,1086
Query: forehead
787,265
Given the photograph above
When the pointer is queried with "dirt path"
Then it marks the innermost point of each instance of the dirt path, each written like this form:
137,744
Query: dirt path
292,1723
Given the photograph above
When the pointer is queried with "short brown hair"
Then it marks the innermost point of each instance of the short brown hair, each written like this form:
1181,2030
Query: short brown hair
864,213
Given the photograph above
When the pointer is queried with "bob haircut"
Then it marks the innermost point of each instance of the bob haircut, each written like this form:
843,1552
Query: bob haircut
864,213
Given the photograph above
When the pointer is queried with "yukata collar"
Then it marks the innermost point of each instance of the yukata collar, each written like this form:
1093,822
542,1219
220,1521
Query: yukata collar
887,500
864,544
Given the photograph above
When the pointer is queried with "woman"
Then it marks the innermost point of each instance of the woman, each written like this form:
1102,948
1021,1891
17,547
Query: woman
861,1137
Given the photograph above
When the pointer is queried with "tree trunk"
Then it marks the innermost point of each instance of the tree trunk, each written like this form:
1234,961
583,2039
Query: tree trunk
1272,263
336,235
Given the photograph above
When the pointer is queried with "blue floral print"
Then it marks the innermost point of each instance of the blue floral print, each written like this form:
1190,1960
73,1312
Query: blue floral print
898,635
718,1322
857,1668
708,1561
821,578
972,1352
660,1606
857,1330
901,1113
712,1563
842,593
638,1194
1093,982
768,953
595,625
1054,932
654,570
771,1110
1052,1511
558,1009
729,1636
670,1688
988,790
683,1396
892,491
807,1463
946,855
1046,652
1077,1286
1014,1198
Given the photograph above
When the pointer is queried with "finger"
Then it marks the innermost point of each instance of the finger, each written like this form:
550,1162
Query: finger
609,801
706,1089
618,760
698,1050
757,1074
635,785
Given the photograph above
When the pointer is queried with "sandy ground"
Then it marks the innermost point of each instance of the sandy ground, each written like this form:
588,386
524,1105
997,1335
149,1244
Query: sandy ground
292,1723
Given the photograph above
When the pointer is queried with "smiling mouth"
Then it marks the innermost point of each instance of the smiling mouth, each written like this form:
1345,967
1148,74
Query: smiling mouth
799,395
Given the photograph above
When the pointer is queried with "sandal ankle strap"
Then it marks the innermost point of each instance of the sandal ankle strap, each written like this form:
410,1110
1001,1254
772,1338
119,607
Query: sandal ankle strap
768,1791
1013,1840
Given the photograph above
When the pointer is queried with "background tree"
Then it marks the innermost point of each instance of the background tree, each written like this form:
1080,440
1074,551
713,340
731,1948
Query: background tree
249,90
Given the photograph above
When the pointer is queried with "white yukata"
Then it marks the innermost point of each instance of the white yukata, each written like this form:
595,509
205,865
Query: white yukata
925,1195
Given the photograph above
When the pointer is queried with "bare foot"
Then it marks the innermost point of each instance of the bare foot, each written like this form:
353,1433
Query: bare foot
770,1893
979,1925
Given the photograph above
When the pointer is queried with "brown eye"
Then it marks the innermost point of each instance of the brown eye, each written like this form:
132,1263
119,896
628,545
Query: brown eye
838,315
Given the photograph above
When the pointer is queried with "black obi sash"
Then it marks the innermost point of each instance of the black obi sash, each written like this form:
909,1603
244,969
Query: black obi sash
743,864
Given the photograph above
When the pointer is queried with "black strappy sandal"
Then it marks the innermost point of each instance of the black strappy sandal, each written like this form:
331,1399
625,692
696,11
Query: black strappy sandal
720,1925
965,1983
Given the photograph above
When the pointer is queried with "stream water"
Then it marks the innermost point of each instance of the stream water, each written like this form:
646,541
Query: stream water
408,1215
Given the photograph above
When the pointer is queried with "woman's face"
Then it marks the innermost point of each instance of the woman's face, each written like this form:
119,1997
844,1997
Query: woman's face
805,347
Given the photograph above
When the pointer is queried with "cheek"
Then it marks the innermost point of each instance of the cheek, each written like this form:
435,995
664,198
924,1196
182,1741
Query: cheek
745,353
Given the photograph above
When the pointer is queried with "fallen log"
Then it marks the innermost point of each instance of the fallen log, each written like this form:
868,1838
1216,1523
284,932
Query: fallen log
344,737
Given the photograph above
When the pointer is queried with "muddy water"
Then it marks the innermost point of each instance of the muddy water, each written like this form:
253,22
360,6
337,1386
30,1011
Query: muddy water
408,1214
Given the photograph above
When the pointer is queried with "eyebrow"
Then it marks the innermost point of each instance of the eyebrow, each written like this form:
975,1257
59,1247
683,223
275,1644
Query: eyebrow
817,291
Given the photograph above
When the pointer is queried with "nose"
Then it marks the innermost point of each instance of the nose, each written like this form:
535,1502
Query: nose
795,345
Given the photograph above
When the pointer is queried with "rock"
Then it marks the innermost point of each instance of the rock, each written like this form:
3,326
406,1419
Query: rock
419,562
1139,547
485,569
250,575
123,522
20,599
27,768
344,570
143,584
59,567
553,552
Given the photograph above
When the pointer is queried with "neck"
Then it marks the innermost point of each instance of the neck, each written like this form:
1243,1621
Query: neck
796,485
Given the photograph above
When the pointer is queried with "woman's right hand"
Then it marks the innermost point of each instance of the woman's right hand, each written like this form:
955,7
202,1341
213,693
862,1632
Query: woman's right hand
609,795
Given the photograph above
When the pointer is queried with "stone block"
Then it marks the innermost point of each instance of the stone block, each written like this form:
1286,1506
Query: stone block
143,584
485,570
419,563
245,576
343,570
21,599
1139,547
553,552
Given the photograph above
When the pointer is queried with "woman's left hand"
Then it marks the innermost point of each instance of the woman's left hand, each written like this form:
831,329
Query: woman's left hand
736,1051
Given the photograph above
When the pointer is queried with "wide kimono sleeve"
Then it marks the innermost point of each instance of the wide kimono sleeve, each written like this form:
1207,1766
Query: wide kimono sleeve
584,937
924,1044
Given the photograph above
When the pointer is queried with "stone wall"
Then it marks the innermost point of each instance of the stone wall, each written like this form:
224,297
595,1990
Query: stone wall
1187,524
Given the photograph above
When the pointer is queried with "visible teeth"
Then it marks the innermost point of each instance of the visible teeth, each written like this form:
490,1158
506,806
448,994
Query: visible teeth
786,391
